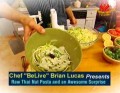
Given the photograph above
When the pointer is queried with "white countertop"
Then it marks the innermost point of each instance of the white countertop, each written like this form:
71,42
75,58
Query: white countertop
89,8
24,10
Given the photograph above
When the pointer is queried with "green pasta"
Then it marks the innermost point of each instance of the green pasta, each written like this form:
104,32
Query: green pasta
49,58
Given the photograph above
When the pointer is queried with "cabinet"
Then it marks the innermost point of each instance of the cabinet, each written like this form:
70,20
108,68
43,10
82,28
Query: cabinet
86,19
90,22
91,13
80,23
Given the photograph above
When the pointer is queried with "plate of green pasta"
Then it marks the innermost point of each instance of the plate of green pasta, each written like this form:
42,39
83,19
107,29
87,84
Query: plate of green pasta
54,51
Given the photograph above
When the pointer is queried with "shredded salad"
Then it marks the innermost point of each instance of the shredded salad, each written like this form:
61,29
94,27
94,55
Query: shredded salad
83,35
50,58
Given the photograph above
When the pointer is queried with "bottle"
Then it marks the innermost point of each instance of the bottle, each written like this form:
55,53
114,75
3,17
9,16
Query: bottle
77,4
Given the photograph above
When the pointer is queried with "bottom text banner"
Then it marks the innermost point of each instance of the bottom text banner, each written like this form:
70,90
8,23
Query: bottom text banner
59,78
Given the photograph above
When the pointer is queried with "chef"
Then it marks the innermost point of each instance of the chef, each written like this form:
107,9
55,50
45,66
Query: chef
61,6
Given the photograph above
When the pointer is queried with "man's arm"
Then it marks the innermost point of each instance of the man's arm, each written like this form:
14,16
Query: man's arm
29,25
69,12
71,15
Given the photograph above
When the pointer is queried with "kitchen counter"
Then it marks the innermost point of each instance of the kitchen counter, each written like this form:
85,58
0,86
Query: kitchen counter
86,17
92,60
89,8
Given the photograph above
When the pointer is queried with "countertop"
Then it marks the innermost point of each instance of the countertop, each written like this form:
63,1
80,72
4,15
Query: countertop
88,8
92,60
25,11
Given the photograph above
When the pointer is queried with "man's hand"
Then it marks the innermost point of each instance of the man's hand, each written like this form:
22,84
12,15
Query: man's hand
73,21
29,24
30,27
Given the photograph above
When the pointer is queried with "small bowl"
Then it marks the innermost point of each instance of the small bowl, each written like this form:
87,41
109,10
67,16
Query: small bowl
112,36
115,41
107,58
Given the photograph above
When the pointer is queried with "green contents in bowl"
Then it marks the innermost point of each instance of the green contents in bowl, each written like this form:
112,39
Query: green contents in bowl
50,58
85,37
118,41
113,52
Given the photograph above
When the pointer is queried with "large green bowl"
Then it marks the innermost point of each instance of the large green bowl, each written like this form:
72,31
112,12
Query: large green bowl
60,38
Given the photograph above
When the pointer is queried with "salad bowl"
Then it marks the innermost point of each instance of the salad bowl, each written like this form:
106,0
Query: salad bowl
86,37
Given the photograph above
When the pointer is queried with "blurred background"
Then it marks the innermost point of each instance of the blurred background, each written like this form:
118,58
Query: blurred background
86,12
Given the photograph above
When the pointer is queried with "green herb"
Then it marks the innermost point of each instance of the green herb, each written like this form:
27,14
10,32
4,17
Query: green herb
118,41
113,53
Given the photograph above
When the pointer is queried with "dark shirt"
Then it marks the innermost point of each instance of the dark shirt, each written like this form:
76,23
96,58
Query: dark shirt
44,6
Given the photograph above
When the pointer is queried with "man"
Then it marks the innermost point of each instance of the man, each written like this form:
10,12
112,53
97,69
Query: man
29,25
61,6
